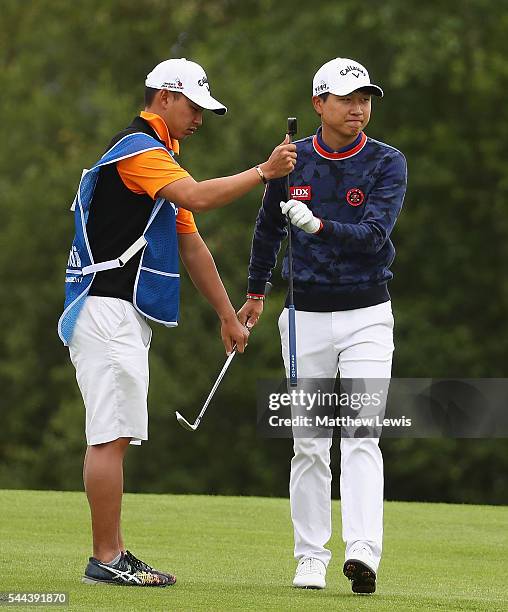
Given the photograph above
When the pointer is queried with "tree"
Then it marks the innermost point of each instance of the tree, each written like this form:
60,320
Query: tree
72,76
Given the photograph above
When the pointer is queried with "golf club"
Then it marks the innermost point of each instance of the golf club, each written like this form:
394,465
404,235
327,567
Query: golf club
180,418
293,372
192,427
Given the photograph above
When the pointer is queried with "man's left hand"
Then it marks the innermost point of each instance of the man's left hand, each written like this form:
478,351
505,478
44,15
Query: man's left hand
301,216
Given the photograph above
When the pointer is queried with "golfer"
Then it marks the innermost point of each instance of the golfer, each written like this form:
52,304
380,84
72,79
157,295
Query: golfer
347,191
133,220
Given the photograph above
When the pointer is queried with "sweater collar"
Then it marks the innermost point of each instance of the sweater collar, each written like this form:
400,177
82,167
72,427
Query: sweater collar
344,153
158,124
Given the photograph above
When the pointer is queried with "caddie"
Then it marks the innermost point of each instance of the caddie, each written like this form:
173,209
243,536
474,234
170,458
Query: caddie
347,191
133,222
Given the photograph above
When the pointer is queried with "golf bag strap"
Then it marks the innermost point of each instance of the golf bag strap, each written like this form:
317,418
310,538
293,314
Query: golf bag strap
119,262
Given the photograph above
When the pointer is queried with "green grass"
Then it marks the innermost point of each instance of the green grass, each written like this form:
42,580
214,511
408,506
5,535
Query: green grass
232,553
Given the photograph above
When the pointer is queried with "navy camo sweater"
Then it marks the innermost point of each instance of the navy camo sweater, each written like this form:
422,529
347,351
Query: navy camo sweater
357,192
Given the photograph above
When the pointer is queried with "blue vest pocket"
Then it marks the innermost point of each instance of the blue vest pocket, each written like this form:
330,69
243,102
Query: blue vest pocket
156,295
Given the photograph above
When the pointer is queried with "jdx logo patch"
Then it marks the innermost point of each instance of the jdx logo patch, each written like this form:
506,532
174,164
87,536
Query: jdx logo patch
355,197
302,192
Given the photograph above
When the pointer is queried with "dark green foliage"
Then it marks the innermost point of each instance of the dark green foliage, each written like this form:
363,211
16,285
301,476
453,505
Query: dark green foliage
72,74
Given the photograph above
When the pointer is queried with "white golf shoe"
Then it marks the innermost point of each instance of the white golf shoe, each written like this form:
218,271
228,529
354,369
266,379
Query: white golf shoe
310,574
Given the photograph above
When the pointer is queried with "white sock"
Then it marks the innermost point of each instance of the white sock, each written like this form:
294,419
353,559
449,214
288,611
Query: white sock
115,560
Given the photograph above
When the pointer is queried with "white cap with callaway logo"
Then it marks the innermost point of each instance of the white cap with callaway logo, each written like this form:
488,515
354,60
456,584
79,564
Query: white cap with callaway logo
342,76
185,77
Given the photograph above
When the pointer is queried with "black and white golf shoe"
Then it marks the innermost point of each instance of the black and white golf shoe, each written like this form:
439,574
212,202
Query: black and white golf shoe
129,571
363,579
141,566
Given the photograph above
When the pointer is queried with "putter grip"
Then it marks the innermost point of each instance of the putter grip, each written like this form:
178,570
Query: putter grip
292,126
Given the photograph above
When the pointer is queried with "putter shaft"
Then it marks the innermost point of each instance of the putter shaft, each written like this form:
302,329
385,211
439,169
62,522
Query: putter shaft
293,373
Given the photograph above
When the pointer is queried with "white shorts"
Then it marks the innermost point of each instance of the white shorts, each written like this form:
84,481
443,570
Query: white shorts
109,349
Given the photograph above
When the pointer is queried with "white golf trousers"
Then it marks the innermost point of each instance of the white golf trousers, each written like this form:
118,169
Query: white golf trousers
358,344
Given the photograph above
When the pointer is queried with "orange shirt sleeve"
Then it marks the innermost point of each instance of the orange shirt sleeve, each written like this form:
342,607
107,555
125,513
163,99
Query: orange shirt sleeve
185,223
148,173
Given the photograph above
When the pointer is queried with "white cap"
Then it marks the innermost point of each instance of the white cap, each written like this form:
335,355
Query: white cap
187,78
341,76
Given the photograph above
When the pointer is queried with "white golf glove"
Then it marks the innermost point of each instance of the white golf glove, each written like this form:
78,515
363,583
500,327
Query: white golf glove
301,216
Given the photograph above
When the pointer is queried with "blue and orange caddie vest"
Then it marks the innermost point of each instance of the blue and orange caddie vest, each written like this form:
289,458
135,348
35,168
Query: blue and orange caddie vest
157,285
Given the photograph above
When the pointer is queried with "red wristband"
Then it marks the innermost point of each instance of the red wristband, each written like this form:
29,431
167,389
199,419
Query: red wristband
255,296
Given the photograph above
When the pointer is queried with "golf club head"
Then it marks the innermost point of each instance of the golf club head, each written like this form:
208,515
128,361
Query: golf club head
185,423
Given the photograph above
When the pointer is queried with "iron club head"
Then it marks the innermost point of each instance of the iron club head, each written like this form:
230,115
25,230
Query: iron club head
185,423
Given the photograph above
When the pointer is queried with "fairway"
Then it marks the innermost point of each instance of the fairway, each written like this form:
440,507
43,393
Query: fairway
235,553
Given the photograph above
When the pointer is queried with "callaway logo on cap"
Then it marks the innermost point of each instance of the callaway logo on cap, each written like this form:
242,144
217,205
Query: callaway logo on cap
342,76
185,77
